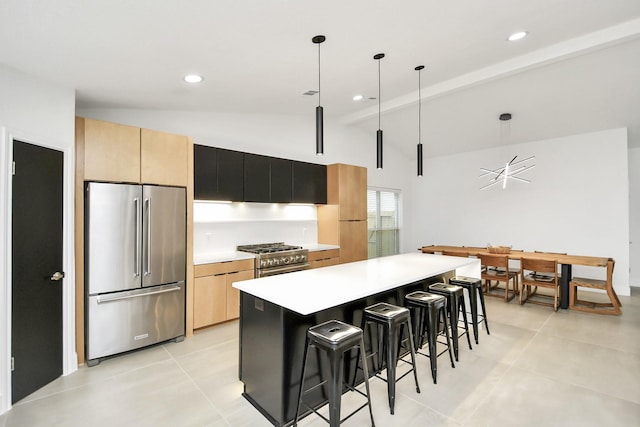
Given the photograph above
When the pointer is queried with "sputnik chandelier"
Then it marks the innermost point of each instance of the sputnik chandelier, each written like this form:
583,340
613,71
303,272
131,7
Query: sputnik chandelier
508,172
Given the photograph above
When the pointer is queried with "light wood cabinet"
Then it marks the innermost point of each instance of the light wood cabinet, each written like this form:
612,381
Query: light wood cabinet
353,241
347,188
323,258
111,151
120,153
215,299
343,221
210,300
163,158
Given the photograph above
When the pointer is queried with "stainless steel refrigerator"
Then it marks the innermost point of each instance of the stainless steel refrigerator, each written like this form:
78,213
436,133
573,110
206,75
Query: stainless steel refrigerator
135,262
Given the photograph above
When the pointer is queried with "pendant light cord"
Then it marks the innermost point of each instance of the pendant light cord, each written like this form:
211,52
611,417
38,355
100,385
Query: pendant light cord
319,75
379,100
419,109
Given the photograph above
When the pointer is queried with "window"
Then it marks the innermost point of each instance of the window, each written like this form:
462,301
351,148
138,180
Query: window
382,222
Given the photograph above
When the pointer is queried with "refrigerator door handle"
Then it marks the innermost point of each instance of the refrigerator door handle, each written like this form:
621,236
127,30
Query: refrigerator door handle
135,294
136,202
147,242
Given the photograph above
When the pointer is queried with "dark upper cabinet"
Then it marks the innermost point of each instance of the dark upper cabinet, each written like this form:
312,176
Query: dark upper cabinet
257,178
218,174
267,179
205,172
221,174
309,183
281,181
230,175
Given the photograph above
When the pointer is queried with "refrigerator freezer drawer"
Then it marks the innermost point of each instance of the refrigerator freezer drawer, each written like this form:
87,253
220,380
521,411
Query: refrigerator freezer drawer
123,321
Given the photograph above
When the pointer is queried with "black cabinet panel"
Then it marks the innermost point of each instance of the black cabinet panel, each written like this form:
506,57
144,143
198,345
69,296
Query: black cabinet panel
281,180
230,175
221,174
205,172
256,178
309,183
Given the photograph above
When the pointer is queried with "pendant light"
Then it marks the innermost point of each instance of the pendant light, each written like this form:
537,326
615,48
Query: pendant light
378,57
319,125
419,68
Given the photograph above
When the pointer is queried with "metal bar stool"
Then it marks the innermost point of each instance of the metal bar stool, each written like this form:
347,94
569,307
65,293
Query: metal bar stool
390,321
429,309
335,338
455,303
474,291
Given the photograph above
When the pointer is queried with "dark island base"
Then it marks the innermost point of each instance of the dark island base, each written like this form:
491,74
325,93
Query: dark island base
272,342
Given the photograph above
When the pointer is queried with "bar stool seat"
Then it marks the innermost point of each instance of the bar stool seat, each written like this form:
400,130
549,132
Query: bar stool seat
474,291
455,303
335,338
429,309
391,320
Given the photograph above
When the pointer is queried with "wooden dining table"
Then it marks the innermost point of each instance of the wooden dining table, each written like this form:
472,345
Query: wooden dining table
566,262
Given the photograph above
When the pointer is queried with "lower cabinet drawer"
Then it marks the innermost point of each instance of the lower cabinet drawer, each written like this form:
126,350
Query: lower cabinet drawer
324,262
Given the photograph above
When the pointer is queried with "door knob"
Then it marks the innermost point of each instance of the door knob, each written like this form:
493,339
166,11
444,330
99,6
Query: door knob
57,275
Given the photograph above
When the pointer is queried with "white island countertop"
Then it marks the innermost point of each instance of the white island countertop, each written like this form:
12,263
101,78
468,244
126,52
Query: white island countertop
311,291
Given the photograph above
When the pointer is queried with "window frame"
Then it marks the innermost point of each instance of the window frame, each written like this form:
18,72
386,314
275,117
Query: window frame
378,215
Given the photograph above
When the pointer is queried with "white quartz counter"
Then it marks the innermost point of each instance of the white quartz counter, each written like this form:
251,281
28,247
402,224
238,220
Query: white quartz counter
310,291
210,258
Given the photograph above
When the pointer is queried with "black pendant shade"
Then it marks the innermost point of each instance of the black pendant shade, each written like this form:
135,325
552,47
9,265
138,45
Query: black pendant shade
379,147
319,132
419,68
319,120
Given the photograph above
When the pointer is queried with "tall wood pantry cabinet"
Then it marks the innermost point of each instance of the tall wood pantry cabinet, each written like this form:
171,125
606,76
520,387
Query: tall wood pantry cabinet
343,221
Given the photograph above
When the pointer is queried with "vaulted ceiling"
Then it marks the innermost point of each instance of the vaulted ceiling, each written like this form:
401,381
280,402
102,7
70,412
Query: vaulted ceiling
576,70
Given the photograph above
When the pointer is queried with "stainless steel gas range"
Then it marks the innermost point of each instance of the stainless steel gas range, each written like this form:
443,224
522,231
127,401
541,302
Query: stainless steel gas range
277,258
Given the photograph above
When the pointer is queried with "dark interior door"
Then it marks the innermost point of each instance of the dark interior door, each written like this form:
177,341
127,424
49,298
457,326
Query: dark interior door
36,326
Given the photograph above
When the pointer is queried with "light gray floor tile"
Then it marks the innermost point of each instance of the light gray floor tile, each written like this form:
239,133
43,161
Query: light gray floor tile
156,395
525,399
608,331
104,370
600,369
537,368
529,316
204,339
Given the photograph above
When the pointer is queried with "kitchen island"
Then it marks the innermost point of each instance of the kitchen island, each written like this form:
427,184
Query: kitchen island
276,311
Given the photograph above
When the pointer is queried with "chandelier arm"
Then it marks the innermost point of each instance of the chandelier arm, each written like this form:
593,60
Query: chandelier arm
489,185
522,169
523,160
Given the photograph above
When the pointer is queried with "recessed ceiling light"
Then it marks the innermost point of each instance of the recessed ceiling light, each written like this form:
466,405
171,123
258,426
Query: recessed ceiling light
358,97
517,36
193,78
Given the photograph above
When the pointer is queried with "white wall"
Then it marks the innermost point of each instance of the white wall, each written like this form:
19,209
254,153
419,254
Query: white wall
578,201
634,216
37,112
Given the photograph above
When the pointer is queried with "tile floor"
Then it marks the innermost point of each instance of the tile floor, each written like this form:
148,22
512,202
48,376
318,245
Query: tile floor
537,368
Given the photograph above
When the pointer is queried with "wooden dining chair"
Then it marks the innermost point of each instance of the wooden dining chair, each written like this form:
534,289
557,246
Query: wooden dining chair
535,273
495,267
612,307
